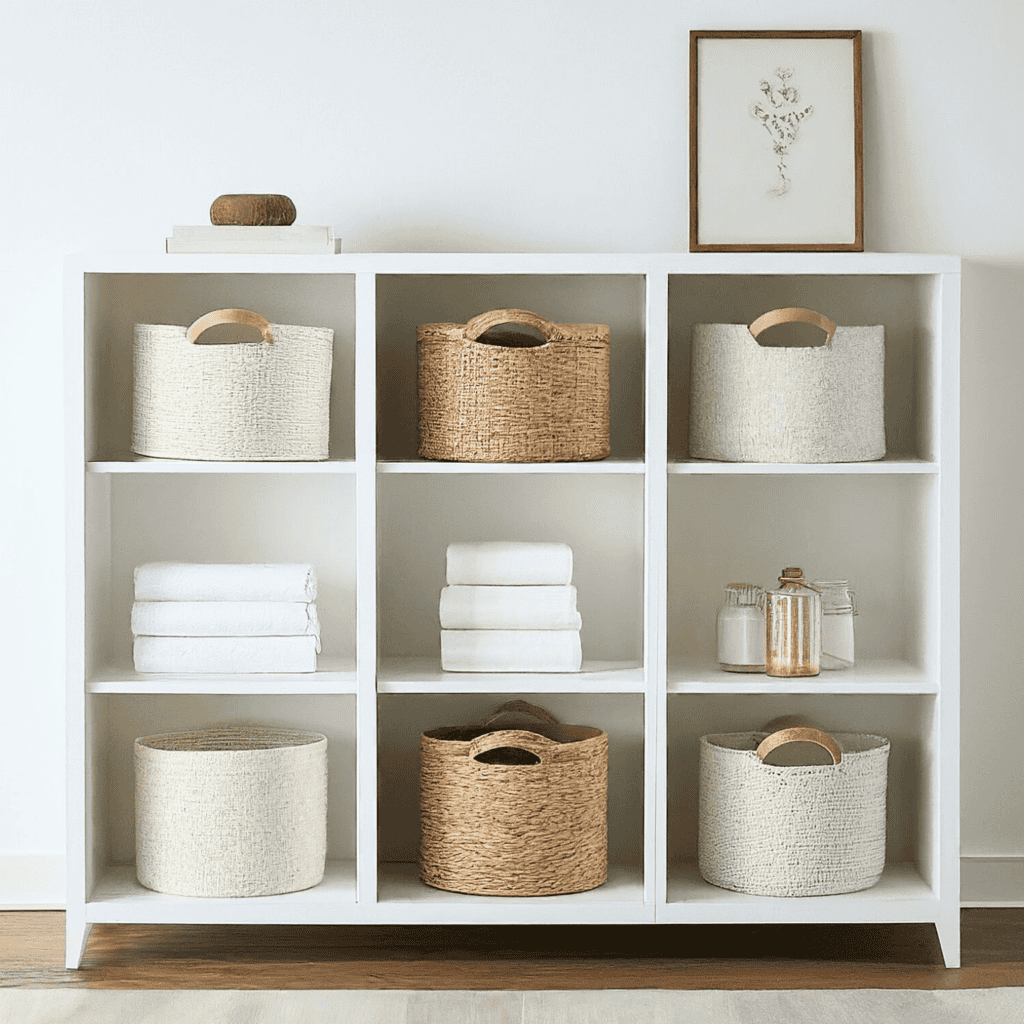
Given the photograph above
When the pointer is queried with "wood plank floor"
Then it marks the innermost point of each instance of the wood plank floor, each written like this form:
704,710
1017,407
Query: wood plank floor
513,957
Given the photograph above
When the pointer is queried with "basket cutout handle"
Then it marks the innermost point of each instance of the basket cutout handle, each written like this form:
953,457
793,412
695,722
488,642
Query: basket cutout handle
793,315
517,739
521,707
231,316
485,321
800,734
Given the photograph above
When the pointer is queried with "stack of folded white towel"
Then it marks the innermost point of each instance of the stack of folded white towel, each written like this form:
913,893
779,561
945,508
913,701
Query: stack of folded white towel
199,617
510,607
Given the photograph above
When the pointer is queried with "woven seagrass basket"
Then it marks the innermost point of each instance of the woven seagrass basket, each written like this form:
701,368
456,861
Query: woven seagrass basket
259,401
799,830
754,403
240,811
507,398
514,811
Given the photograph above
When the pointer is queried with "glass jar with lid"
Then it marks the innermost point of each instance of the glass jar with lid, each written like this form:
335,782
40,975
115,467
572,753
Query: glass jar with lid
838,607
741,629
792,627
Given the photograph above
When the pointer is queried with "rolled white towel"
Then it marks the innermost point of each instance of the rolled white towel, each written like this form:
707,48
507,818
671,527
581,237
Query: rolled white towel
201,581
225,618
511,650
509,563
524,607
229,654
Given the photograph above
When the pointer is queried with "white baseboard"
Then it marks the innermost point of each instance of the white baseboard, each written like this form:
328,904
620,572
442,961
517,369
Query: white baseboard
32,881
992,881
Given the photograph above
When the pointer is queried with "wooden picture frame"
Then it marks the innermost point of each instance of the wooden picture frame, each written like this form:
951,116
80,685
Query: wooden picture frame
776,141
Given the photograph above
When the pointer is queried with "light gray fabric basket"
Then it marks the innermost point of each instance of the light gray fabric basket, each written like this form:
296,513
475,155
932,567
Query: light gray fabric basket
264,401
806,830
754,403
240,811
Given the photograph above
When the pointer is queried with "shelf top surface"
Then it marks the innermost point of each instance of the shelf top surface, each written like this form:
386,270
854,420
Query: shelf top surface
517,263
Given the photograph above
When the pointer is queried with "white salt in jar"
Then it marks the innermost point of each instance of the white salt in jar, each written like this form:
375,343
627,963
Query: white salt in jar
741,629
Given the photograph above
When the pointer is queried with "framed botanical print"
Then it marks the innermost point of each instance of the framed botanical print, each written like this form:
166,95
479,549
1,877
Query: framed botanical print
776,141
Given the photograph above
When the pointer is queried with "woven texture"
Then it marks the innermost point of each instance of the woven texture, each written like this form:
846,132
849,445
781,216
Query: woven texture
231,812
488,402
753,403
812,830
514,829
244,402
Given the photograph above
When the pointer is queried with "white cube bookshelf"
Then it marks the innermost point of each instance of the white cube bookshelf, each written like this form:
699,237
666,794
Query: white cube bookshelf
655,536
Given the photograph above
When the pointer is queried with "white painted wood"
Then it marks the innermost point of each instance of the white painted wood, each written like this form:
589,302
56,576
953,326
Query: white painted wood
890,464
867,675
366,589
900,895
145,464
656,535
656,518
424,675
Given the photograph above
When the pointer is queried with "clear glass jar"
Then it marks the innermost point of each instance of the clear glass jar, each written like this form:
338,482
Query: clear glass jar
838,607
792,627
741,629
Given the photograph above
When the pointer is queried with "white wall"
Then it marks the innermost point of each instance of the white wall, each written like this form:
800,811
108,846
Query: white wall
474,125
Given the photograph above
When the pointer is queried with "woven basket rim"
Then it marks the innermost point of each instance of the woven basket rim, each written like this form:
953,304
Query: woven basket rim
565,735
875,743
274,739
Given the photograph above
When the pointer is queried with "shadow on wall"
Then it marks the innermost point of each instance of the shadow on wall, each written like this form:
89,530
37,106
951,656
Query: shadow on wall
992,554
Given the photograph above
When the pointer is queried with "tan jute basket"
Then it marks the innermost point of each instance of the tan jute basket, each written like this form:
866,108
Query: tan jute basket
514,811
815,404
792,830
507,398
261,401
234,811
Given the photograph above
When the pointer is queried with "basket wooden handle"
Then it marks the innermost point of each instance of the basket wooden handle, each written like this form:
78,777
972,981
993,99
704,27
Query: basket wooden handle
793,315
800,734
231,316
485,321
524,708
520,739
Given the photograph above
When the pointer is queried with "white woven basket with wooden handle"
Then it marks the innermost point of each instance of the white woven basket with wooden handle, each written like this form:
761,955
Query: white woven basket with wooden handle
267,400
754,403
802,830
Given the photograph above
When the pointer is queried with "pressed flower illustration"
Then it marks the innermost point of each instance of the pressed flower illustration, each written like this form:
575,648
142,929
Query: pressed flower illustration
780,114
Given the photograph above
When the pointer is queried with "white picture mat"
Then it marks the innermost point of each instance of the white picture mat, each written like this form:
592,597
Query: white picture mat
736,165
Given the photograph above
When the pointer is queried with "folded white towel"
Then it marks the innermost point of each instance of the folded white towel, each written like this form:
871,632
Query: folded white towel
509,608
199,581
515,563
225,618
225,654
511,650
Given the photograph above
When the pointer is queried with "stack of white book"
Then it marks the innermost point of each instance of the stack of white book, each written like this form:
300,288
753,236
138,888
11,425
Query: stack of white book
202,617
240,238
510,606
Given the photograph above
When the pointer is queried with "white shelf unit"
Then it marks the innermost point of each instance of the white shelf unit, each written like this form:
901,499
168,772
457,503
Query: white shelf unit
655,536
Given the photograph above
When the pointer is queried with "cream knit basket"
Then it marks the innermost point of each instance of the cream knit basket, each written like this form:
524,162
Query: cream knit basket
263,401
753,403
808,830
240,811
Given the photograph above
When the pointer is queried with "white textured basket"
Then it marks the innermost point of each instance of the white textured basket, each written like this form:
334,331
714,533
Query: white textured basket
265,401
809,830
240,811
754,403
